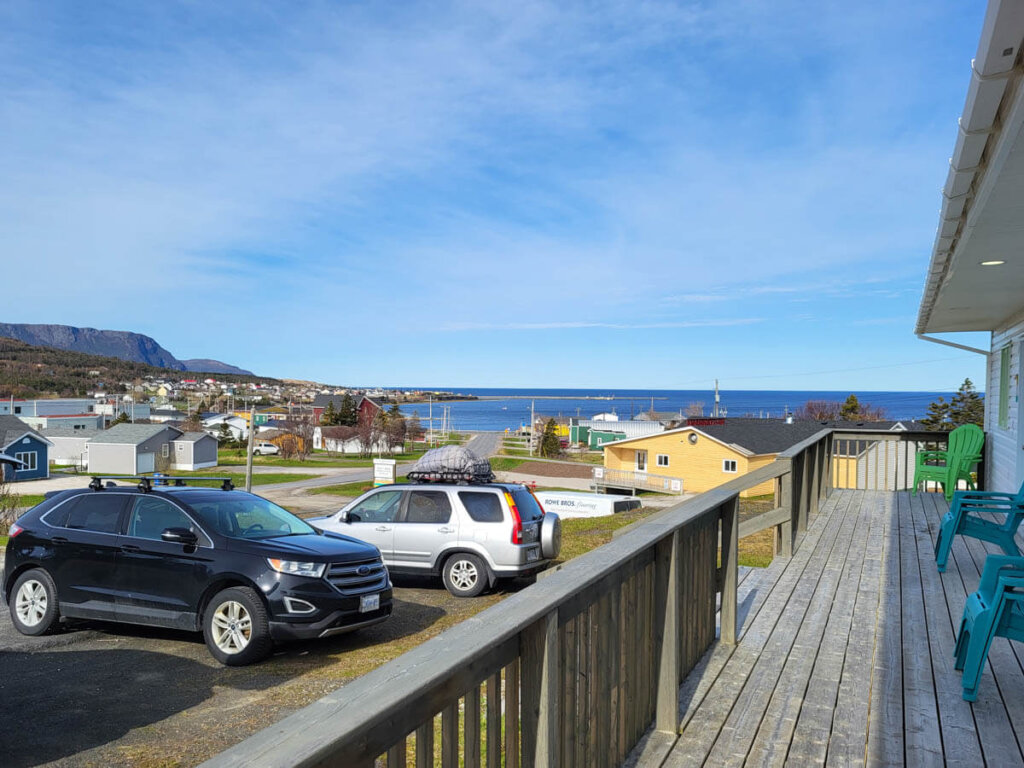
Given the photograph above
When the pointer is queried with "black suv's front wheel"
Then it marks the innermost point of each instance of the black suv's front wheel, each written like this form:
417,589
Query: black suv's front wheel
33,605
465,575
236,627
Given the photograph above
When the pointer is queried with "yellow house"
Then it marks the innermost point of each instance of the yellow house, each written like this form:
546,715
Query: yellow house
720,450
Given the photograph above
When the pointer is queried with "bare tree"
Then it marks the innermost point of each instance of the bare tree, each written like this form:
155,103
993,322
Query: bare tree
695,410
10,501
819,410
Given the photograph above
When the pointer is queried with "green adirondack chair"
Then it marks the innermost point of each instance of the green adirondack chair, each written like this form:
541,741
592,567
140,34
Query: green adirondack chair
954,464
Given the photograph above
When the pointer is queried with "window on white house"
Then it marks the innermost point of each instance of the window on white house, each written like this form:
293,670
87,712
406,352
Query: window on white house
728,465
165,450
662,459
29,459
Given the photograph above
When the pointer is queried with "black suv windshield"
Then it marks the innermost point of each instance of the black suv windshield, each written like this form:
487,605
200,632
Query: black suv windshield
243,516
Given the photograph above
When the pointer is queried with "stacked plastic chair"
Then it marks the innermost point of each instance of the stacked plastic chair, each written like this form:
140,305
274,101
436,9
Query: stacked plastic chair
995,610
965,518
952,465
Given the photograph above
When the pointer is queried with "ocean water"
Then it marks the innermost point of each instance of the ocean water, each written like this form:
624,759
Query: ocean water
509,408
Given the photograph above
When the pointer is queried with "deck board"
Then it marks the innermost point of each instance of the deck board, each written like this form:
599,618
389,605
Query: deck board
845,653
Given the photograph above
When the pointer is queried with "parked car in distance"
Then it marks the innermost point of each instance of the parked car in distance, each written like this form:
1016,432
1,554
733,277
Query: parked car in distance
232,565
263,448
470,535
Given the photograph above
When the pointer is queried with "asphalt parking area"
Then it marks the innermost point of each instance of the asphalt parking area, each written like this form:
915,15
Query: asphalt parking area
100,694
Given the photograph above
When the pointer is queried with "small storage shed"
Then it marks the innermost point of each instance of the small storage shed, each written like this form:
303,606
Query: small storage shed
194,450
132,449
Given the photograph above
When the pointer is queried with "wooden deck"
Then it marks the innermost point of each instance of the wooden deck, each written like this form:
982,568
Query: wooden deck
845,654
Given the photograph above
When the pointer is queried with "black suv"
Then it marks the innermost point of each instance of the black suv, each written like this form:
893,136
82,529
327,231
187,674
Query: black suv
231,564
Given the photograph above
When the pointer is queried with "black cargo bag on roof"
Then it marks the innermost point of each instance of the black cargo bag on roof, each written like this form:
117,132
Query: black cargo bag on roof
451,464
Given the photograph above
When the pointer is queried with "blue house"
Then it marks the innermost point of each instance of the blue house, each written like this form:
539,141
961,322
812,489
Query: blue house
19,440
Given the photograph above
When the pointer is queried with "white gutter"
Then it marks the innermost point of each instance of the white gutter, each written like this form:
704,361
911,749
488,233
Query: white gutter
953,344
991,69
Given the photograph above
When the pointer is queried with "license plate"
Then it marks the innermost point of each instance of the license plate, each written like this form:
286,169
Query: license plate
369,603
532,555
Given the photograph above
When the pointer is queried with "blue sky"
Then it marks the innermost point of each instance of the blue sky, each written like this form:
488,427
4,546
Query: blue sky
609,194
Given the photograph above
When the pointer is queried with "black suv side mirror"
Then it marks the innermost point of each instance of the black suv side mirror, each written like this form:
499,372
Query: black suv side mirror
179,536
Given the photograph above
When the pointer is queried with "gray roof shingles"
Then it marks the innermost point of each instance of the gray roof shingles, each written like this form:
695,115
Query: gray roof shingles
131,434
11,428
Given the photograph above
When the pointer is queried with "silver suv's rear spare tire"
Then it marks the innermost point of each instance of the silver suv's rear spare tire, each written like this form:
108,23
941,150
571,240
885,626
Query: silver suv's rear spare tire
465,575
236,628
550,536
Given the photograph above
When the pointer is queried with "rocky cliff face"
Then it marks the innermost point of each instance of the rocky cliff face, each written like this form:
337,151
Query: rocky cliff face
121,344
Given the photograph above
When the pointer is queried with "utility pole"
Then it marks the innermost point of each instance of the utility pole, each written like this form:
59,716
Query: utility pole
248,458
715,412
430,421
532,424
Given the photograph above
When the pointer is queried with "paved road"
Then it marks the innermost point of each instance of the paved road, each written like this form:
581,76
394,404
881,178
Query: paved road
485,443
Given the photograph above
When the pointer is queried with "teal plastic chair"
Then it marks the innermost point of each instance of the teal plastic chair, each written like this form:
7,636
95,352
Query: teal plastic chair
949,467
963,518
995,610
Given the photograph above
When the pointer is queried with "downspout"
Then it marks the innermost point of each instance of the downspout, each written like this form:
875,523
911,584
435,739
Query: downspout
953,344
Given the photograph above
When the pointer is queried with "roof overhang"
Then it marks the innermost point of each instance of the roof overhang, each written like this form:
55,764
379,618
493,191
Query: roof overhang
982,215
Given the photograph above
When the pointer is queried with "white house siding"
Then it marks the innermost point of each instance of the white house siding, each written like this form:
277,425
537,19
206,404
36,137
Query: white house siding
69,450
1002,443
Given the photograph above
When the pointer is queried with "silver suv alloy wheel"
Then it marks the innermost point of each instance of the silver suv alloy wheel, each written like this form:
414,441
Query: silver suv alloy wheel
232,627
30,603
464,575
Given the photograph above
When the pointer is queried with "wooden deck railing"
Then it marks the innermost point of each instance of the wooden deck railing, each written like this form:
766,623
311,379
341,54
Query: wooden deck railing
572,670
637,481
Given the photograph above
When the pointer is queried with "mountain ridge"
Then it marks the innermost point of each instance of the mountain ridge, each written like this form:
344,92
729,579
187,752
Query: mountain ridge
124,345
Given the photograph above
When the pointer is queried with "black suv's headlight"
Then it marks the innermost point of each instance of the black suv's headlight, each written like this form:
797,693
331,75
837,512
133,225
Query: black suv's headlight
295,568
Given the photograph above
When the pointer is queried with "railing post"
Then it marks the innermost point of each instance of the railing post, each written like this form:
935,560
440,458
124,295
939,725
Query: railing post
800,489
830,466
814,477
667,601
784,535
541,676
729,579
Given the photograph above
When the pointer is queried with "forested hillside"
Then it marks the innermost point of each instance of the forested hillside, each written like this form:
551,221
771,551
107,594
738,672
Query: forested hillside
30,371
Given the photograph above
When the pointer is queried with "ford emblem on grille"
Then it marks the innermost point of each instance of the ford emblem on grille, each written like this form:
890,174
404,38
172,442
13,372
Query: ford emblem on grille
362,570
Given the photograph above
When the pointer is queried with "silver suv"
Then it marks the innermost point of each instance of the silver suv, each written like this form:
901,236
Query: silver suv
470,535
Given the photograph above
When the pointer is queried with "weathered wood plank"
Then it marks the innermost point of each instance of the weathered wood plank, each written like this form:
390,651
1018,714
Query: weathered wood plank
494,721
795,636
885,725
847,736
960,745
512,715
539,705
450,737
425,745
819,649
787,599
986,720
471,730
668,602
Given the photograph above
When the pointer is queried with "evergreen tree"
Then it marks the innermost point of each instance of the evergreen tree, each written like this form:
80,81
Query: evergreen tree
549,443
122,418
347,414
329,418
967,406
937,419
851,409
224,435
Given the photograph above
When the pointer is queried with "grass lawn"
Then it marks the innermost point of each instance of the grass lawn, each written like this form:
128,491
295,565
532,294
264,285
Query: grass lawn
238,478
503,464
345,489
231,457
27,500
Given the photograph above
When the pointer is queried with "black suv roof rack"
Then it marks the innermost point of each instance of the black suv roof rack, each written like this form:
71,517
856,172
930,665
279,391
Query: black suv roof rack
145,484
